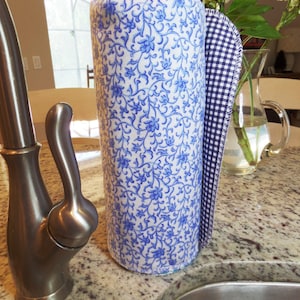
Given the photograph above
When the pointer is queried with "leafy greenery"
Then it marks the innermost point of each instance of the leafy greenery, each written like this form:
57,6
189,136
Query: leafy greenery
247,15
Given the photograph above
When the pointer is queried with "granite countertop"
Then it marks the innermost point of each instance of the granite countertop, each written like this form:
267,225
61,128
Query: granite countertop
256,234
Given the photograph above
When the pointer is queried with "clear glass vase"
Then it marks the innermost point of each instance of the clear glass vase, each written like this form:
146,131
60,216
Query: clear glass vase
248,137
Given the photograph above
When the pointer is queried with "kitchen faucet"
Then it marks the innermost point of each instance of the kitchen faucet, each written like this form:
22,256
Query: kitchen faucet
41,237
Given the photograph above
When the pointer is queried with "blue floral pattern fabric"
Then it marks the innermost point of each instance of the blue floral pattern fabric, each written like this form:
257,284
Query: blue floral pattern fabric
150,79
161,149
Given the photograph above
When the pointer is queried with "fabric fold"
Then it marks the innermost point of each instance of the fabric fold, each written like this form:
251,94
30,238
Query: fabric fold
223,52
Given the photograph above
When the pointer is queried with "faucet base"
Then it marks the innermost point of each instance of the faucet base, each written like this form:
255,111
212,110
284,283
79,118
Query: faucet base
60,294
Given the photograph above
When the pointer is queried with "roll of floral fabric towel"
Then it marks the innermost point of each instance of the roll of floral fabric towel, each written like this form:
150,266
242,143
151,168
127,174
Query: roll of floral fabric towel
149,63
150,78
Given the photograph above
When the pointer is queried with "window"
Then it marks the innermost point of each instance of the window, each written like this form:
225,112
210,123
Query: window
70,41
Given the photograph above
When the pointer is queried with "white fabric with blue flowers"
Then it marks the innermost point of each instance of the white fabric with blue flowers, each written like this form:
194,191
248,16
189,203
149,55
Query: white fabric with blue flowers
149,63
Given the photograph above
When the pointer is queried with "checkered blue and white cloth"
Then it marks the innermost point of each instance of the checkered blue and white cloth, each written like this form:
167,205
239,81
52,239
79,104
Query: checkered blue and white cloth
223,53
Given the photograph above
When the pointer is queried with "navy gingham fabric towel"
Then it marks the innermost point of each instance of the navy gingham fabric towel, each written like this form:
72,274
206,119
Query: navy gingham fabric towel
223,51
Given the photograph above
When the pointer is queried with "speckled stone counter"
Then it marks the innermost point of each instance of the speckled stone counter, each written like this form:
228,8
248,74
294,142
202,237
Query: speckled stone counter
256,234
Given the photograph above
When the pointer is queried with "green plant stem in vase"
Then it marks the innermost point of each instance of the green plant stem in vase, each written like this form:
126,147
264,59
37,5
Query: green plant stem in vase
248,17
252,65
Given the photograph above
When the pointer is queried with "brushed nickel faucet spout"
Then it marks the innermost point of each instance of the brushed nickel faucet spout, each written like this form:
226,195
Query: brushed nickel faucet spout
41,237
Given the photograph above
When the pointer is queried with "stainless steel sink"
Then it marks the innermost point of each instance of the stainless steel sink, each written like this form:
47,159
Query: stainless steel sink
242,290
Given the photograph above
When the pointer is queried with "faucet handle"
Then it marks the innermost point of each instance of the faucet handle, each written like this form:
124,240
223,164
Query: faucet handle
71,221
